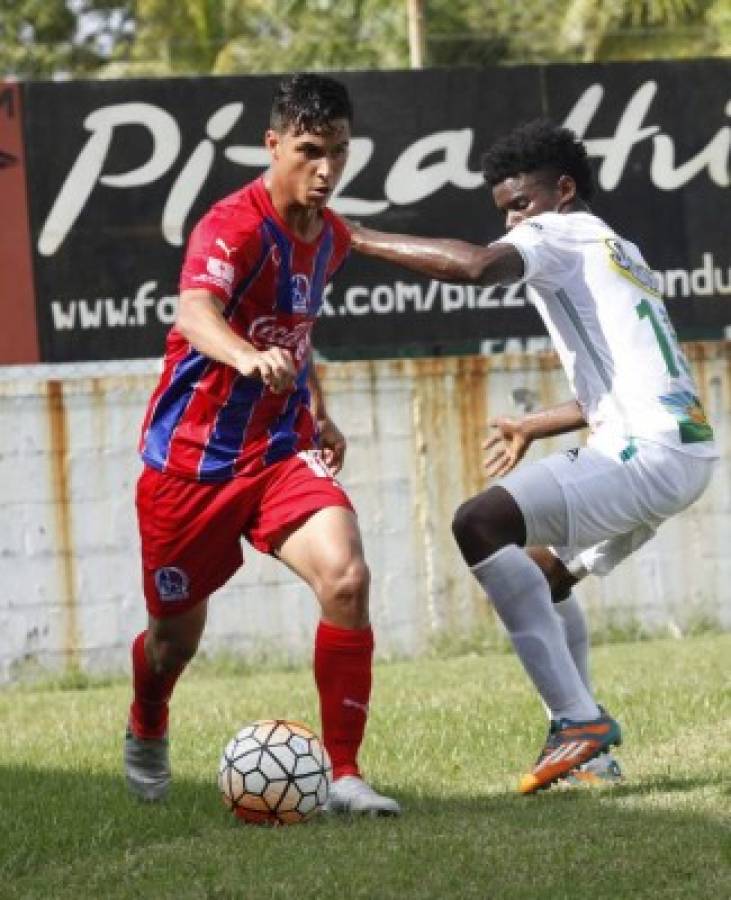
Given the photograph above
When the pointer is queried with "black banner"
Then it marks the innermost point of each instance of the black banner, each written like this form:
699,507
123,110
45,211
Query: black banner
120,171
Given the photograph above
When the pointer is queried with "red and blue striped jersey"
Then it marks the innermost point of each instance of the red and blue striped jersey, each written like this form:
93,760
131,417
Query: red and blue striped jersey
206,421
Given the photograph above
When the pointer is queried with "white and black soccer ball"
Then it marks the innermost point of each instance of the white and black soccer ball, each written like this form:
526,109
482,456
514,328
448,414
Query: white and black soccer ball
274,772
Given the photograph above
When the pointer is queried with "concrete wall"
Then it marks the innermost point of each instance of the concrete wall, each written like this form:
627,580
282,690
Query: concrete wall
69,569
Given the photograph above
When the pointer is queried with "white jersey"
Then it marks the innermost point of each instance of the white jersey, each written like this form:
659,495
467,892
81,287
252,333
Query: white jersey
603,310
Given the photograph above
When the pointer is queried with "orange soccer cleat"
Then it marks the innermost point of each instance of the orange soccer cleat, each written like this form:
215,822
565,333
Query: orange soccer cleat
569,745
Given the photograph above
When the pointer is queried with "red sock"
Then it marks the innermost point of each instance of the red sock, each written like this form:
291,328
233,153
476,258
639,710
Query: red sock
343,658
148,714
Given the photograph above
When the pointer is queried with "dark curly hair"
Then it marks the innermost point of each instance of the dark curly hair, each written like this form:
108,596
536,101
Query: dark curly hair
539,146
308,102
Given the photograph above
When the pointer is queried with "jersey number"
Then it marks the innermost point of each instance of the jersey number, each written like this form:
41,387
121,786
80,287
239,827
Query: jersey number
671,353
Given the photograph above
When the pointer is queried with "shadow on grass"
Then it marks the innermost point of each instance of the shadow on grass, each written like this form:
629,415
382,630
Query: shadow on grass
54,820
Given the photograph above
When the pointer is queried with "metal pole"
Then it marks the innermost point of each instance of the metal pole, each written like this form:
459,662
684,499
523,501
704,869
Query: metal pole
417,43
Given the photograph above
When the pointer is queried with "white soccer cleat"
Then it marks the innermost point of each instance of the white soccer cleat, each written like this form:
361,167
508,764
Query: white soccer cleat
147,766
350,794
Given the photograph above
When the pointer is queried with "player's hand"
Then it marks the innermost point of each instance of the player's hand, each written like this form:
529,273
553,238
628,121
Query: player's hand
275,367
506,447
332,445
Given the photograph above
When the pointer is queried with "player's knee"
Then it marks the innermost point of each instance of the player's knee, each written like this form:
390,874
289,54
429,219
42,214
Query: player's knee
344,593
169,656
351,583
473,530
487,523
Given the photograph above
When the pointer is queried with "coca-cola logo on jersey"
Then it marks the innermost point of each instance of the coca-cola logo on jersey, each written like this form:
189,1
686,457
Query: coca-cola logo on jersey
268,331
421,169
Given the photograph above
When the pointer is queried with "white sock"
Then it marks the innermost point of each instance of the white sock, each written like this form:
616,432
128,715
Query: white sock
577,635
521,597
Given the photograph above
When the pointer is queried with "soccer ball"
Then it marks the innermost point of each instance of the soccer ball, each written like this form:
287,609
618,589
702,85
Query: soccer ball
274,772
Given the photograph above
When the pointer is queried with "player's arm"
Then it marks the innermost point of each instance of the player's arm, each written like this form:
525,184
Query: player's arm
512,437
200,320
332,441
442,258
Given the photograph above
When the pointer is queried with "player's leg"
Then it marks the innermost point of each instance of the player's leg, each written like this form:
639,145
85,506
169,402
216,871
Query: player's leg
565,603
606,499
490,530
190,546
326,551
159,655
603,769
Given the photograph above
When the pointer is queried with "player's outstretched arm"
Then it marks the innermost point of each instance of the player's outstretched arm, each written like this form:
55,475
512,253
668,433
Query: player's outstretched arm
200,320
442,258
512,437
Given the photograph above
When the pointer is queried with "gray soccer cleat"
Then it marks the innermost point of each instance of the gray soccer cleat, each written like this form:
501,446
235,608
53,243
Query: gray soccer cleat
147,766
350,794
601,771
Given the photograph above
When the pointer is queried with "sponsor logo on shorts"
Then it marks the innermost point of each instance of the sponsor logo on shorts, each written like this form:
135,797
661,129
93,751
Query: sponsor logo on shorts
172,583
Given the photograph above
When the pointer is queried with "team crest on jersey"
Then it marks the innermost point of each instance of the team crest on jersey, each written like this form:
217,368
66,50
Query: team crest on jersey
573,454
300,287
172,583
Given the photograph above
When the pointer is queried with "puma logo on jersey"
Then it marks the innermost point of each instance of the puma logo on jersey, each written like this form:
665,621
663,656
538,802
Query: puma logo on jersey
224,246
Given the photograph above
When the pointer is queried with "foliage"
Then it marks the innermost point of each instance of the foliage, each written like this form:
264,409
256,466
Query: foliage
41,38
225,36
643,29
124,38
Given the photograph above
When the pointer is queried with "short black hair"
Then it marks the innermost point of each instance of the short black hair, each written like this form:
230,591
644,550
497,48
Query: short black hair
537,146
309,102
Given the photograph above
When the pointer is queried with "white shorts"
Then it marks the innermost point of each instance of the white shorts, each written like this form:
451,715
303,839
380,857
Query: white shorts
593,510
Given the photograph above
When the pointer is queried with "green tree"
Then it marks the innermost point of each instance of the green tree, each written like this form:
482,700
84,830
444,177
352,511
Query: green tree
122,38
42,38
646,29
465,32
228,36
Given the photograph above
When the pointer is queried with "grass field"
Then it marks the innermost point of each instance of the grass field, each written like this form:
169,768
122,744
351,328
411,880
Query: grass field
448,736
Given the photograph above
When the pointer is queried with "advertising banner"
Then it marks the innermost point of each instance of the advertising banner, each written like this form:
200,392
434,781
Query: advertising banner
119,172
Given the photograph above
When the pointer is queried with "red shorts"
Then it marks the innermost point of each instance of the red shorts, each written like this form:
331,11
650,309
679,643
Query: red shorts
191,531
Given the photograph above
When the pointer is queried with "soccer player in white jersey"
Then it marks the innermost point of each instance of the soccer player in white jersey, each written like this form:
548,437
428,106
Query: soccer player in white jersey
650,450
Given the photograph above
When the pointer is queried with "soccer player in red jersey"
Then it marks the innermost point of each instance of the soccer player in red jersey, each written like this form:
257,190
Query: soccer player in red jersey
237,441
